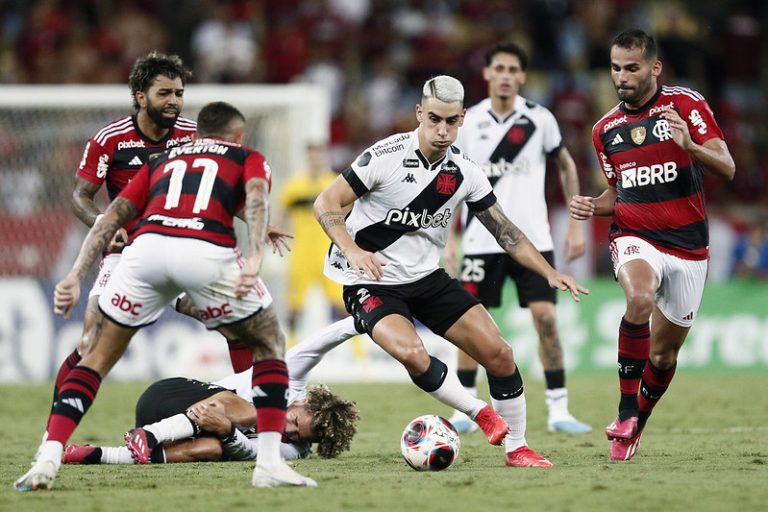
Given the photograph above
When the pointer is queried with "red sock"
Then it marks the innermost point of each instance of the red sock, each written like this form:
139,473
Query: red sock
270,390
654,385
634,347
66,367
240,355
77,393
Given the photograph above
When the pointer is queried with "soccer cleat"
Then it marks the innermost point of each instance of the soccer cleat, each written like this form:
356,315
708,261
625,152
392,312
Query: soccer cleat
494,427
39,477
462,423
622,429
625,449
279,476
524,457
569,425
82,454
139,444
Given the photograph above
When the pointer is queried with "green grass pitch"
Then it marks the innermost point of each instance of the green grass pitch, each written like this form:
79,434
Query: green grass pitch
705,448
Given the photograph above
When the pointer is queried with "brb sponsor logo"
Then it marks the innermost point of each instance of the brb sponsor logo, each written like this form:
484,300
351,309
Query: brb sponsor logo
125,304
649,175
214,312
422,219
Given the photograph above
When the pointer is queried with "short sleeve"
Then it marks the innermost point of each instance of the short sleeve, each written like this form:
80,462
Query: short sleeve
701,121
552,138
95,162
602,157
256,166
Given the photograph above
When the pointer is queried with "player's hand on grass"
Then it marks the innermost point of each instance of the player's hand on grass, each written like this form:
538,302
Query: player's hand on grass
65,296
365,263
278,240
566,282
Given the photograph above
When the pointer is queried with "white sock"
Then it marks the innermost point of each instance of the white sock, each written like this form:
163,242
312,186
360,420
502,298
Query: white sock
171,429
269,449
452,393
116,455
51,450
513,412
557,403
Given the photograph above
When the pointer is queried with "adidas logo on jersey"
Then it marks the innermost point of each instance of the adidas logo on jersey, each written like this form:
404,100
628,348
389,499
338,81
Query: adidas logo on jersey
688,317
409,178
617,140
136,161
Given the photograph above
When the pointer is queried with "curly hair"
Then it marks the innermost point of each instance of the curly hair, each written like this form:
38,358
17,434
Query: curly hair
335,420
149,67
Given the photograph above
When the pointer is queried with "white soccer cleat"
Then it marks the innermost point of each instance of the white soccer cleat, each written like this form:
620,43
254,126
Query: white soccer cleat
462,423
39,477
279,476
568,424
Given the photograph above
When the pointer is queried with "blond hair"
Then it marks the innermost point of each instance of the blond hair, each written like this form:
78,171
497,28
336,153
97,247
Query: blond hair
334,422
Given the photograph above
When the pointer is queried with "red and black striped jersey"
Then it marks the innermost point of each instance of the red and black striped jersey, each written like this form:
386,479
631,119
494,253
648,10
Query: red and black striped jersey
660,187
195,190
116,152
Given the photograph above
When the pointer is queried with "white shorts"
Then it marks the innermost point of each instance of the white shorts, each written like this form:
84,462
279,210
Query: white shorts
155,269
106,267
681,281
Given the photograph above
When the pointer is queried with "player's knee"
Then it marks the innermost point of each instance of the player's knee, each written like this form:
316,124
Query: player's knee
498,359
664,360
640,303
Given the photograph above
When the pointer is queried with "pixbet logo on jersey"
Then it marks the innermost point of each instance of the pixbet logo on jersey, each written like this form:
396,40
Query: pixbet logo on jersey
422,219
649,175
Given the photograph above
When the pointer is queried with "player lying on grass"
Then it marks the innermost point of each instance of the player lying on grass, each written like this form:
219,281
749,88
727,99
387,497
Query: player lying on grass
186,420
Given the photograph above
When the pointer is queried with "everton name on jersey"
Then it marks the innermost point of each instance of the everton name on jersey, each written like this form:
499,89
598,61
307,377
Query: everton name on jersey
405,206
512,152
194,190
660,186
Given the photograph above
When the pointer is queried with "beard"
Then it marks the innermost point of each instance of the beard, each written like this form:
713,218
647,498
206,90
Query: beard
159,119
635,95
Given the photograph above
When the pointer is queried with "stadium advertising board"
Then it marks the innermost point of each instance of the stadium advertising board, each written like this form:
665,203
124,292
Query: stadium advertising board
730,333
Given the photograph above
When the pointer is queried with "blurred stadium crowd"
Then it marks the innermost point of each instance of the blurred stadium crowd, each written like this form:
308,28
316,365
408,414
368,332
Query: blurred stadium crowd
373,55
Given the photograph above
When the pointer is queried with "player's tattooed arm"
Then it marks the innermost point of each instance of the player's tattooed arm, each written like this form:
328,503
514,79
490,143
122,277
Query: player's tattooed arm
506,233
256,213
329,219
117,215
83,203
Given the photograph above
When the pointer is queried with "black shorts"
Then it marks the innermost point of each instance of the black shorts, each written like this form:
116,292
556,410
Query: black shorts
436,301
168,397
483,276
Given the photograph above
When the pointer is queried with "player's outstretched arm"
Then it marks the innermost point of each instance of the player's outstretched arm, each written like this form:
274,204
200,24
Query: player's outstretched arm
329,210
515,243
305,355
67,291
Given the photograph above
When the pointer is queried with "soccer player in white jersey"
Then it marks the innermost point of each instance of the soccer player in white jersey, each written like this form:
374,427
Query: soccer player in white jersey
511,138
406,190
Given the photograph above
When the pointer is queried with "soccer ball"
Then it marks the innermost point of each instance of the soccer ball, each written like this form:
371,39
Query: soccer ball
430,443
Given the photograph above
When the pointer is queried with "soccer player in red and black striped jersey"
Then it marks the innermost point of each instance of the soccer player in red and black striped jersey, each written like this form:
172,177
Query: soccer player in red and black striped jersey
653,148
113,156
184,201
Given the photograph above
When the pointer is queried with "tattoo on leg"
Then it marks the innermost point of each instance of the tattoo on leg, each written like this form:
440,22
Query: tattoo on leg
261,332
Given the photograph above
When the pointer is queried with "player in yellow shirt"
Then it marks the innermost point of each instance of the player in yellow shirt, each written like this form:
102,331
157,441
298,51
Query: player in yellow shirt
310,241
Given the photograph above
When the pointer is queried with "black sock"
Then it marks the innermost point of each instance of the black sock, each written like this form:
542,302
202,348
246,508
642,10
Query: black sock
468,378
555,378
